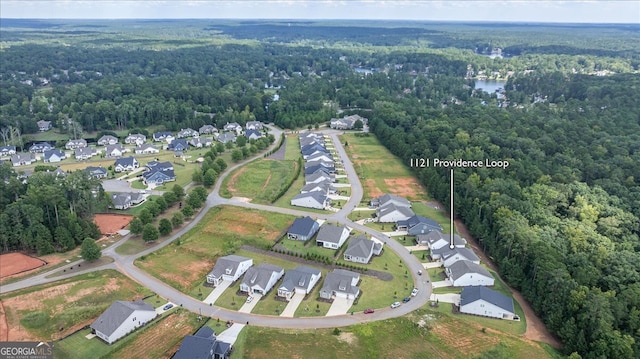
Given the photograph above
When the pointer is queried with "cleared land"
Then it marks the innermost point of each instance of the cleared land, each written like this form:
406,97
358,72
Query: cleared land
380,171
222,231
110,223
422,334
260,180
14,263
57,309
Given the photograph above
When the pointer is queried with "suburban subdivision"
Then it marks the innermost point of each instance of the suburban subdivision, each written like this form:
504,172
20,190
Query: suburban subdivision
225,189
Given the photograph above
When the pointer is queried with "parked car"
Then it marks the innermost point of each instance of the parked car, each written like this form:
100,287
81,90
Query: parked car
167,307
368,311
249,299
419,272
405,300
414,292
395,305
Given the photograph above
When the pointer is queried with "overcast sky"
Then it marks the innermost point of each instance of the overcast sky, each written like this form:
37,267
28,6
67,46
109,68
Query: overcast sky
497,10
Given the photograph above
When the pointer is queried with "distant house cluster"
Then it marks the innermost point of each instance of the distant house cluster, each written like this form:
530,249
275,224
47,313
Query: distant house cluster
347,122
319,172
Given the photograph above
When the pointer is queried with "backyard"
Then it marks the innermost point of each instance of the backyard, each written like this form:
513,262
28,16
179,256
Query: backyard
260,180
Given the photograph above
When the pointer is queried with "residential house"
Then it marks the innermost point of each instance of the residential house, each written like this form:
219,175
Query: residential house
207,130
125,164
97,172
486,302
332,236
437,240
466,273
226,137
54,155
44,125
125,200
40,147
6,151
303,229
253,125
301,280
312,150
445,251
418,225
116,150
321,156
340,283
347,123
187,132
311,200
387,198
107,140
163,136
203,345
233,127
121,318
158,176
84,153
155,165
178,145
391,213
146,149
458,254
137,139
323,187
360,249
252,134
200,142
228,268
314,168
306,141
261,279
319,176
73,144
22,159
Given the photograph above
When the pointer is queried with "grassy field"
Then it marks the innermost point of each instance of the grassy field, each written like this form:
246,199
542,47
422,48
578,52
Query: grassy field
152,341
222,231
50,311
379,170
421,334
260,180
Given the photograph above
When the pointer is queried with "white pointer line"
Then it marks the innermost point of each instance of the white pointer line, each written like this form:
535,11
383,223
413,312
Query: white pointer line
451,244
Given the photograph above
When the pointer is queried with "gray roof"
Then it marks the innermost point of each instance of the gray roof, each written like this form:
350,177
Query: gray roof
146,146
319,197
318,174
387,197
460,268
122,198
96,170
125,161
226,137
248,133
303,226
260,275
84,151
319,155
55,151
108,138
465,252
415,220
201,347
318,167
472,294
330,233
227,265
116,314
340,281
359,246
389,208
435,236
311,163
320,186
299,277
19,157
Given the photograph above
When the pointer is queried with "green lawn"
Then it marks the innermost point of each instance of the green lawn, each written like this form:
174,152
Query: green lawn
441,217
222,231
260,180
292,150
68,302
311,306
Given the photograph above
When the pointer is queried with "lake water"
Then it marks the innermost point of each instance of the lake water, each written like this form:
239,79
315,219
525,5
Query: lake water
489,86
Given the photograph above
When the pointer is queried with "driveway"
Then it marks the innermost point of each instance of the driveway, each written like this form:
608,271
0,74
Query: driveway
230,335
290,309
432,265
217,292
248,307
452,298
395,233
117,186
442,284
340,306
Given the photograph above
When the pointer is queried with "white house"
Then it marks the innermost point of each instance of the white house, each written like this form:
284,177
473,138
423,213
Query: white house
207,129
360,249
7,151
200,142
389,199
302,279
146,149
54,155
253,125
466,273
332,236
261,279
187,132
311,200
303,229
340,283
22,159
73,144
107,140
459,254
121,318
228,268
44,125
391,213
114,150
436,240
487,303
135,139
84,153
125,164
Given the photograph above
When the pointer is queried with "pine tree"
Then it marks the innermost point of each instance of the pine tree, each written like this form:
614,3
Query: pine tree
90,251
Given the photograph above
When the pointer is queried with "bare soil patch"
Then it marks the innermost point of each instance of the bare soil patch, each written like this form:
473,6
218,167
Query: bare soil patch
348,338
4,327
110,223
372,188
231,185
266,182
189,273
14,263
451,334
407,187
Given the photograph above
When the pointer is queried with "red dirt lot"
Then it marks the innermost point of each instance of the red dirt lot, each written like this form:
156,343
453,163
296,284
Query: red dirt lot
111,223
12,263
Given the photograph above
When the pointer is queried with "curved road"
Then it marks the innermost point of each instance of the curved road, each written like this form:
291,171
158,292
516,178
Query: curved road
124,263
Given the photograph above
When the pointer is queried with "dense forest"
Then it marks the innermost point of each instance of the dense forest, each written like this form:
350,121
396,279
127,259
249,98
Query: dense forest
561,222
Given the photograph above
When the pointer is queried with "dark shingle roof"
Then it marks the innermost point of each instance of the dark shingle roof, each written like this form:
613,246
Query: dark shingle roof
460,268
472,294
359,246
302,226
330,233
118,312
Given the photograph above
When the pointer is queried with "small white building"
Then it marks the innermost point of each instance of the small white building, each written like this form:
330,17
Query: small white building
261,279
302,279
121,318
466,273
487,303
315,200
332,236
229,268
391,213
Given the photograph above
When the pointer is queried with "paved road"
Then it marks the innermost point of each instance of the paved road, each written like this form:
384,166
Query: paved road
124,263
